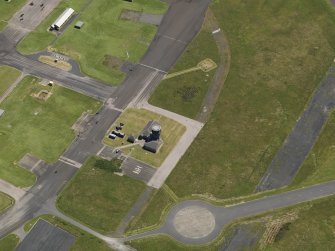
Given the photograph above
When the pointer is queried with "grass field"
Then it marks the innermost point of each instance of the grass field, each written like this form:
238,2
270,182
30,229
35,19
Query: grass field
5,201
84,241
319,166
151,215
8,9
273,74
135,120
312,230
8,75
9,242
42,128
99,198
104,42
184,94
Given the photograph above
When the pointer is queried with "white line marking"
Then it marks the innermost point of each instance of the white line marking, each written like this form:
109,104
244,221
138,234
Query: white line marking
36,164
174,39
150,67
70,162
216,31
100,151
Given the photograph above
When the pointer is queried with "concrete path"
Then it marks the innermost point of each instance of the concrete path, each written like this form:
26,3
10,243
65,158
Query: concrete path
298,144
12,87
192,129
13,191
196,235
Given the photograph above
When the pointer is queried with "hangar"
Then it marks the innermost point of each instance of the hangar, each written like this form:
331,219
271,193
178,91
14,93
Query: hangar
61,20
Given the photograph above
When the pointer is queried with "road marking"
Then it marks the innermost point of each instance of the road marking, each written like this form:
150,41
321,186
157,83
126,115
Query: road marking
137,169
100,151
156,69
37,163
70,162
171,38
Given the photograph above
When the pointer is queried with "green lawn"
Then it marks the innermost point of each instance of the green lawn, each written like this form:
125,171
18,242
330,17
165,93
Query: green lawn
5,201
99,198
151,216
102,44
42,128
313,230
84,240
9,242
8,9
184,94
8,75
135,120
319,166
280,52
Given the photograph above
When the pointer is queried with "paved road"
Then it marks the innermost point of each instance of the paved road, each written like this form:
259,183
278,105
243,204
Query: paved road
224,215
297,146
181,23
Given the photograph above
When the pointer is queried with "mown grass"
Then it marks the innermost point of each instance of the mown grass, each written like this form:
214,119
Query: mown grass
151,214
102,36
319,166
5,201
276,65
8,9
8,75
184,94
83,241
9,243
42,128
135,120
99,198
312,230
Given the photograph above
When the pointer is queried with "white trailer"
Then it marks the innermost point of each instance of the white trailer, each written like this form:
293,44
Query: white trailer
61,20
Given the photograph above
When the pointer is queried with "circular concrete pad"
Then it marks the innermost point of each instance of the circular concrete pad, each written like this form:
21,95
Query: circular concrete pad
194,222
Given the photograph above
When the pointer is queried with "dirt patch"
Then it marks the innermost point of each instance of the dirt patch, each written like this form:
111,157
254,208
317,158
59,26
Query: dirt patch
112,62
42,95
207,65
130,15
55,62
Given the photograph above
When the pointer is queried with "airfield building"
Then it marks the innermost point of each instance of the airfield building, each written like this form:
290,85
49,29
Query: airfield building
62,19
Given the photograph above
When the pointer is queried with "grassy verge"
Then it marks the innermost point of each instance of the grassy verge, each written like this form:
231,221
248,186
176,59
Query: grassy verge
152,214
8,9
272,75
307,226
135,120
9,243
184,94
99,198
59,64
319,165
84,240
105,41
8,75
42,128
40,38
5,201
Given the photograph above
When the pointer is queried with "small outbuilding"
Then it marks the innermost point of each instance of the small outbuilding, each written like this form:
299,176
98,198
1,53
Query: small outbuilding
131,139
148,130
79,25
152,146
62,19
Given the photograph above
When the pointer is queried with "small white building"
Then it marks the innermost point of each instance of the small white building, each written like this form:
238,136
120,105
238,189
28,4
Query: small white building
62,19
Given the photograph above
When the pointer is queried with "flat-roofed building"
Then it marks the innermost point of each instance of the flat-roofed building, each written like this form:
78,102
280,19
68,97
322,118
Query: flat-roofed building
62,19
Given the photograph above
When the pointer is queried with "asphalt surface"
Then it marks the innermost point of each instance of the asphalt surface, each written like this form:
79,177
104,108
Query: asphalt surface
297,146
225,215
181,23
137,169
45,236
